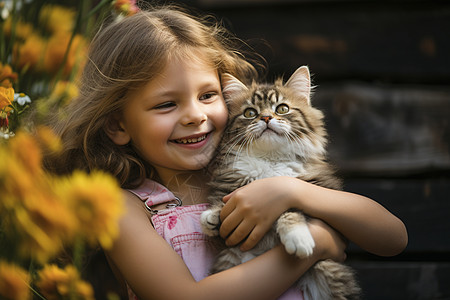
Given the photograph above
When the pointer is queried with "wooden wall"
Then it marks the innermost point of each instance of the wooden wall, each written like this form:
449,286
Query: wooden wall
382,70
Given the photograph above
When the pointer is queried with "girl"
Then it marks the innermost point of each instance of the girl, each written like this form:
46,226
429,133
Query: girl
151,113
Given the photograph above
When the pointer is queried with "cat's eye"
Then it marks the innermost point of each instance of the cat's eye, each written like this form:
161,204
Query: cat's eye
250,113
282,109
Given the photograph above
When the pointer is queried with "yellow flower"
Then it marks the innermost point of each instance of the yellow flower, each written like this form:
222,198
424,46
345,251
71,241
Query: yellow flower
29,53
65,90
96,200
45,225
22,29
6,98
21,172
49,139
56,50
7,76
14,282
84,290
15,181
27,151
55,283
57,18
39,221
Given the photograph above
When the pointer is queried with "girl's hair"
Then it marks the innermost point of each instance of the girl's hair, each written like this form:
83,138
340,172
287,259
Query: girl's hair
123,56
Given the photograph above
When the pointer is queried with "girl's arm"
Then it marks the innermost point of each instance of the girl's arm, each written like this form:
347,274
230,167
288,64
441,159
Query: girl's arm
155,271
251,210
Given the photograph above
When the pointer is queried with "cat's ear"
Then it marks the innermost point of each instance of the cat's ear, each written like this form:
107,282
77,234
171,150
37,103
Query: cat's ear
300,81
231,86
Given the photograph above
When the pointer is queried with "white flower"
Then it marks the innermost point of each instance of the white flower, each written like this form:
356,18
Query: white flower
6,7
4,12
22,98
5,133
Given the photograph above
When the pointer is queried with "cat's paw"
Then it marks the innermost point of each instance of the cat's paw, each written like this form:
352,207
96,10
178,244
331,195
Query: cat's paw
210,221
298,241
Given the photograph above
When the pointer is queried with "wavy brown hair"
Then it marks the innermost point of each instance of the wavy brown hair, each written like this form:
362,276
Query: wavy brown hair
125,55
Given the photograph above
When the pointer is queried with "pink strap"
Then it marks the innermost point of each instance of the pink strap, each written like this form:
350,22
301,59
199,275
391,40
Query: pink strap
153,193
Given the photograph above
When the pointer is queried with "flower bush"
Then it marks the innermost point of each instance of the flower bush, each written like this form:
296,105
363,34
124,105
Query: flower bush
43,46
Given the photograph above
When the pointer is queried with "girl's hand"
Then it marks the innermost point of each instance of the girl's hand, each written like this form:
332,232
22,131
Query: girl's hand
250,211
330,244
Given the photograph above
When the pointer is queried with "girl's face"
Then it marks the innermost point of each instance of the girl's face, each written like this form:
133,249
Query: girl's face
177,119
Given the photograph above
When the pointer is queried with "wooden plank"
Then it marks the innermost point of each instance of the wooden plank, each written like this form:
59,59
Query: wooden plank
423,270
402,41
386,129
403,280
394,130
377,130
211,4
422,204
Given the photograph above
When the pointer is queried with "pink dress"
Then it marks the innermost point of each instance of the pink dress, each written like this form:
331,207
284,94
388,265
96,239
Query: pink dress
180,227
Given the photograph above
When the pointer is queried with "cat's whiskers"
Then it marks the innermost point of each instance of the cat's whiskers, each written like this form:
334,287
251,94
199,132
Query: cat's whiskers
231,147
296,140
247,140
237,153
231,144
309,147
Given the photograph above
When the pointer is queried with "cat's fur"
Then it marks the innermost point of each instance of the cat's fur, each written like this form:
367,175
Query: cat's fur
274,131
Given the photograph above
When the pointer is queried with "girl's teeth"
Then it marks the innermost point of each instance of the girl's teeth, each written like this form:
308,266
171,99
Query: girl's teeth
189,141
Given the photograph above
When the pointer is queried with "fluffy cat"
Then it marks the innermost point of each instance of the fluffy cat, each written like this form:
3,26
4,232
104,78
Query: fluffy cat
274,131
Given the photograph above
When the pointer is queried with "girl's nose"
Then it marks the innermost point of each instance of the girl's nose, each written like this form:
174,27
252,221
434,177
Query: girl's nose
193,114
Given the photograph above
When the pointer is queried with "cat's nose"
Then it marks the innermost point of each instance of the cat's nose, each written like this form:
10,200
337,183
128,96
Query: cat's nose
266,119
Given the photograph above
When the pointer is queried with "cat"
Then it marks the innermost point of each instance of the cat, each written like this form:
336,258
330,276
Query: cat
274,131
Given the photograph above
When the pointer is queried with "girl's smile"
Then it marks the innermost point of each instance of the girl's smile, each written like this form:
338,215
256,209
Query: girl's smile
194,141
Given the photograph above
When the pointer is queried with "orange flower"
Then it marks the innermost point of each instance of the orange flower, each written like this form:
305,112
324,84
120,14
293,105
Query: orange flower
15,181
28,153
29,54
65,90
57,18
48,139
6,98
22,29
96,200
84,290
51,278
55,283
39,221
125,7
45,223
56,49
14,282
7,76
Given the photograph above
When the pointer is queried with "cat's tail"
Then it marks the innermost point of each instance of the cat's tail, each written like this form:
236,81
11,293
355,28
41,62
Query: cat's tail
329,280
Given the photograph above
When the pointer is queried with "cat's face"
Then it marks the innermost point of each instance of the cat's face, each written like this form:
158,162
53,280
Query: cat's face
274,117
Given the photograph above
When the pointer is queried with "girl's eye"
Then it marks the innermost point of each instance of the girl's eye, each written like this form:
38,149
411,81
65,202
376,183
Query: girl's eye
250,113
165,105
282,109
207,96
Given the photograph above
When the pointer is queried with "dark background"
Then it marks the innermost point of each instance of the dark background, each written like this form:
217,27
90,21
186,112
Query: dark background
382,71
